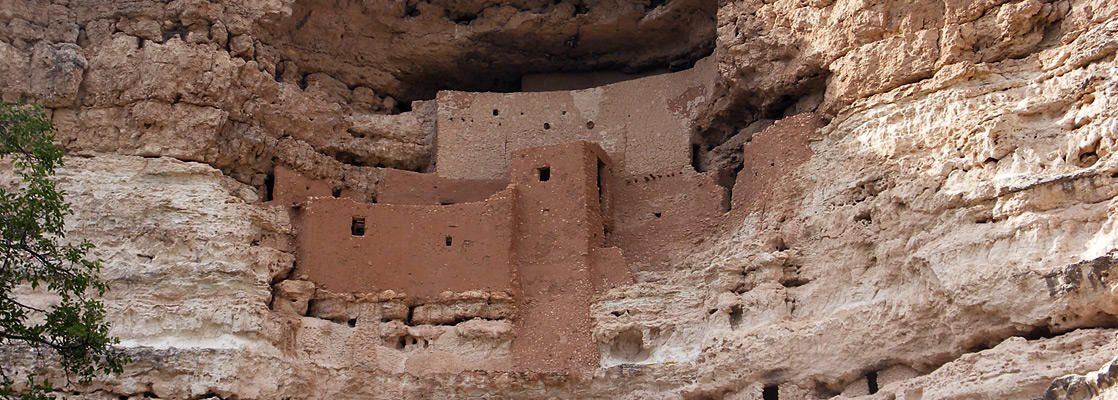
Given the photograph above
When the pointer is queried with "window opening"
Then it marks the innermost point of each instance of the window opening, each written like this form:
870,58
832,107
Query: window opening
544,174
601,191
269,187
357,228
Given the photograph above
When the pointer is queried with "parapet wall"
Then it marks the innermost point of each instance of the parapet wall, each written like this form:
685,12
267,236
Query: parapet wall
643,124
406,187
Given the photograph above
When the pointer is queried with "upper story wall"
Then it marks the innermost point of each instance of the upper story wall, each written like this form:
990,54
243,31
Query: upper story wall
643,124
662,217
407,187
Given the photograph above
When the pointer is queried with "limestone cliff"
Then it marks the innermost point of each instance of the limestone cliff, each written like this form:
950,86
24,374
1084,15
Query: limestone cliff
945,228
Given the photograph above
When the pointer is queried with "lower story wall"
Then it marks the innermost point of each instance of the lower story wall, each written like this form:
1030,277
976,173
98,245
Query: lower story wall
421,250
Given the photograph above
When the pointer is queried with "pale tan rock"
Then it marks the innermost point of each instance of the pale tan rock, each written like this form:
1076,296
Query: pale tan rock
291,296
952,230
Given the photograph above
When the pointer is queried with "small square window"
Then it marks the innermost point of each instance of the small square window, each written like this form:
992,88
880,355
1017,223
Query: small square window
545,174
358,226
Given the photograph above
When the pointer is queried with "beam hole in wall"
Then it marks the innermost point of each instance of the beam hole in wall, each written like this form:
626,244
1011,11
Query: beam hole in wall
357,228
589,124
770,392
449,240
657,214
544,173
496,112
352,322
871,381
546,125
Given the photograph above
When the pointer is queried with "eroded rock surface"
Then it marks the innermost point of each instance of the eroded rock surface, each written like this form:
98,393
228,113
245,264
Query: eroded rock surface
942,228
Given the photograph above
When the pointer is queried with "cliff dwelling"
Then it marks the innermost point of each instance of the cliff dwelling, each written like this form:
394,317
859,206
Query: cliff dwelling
582,199
543,199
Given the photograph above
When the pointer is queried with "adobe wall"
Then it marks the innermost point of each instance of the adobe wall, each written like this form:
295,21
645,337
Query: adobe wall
290,187
643,124
407,187
419,250
559,231
659,215
769,157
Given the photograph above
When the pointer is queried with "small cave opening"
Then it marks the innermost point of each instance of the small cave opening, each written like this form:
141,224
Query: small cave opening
736,314
770,392
871,381
629,346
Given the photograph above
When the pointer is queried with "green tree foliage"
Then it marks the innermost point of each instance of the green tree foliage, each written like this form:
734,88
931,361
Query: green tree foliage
32,255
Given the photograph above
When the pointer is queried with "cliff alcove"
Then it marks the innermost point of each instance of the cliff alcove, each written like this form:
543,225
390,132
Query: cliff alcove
786,199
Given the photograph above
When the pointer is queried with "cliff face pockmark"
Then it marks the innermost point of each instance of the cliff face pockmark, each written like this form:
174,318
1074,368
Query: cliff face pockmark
945,229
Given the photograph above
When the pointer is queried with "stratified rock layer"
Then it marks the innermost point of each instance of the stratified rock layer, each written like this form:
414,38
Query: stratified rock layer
948,231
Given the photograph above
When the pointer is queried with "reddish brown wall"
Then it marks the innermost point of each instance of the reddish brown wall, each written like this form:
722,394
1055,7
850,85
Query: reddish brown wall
689,206
406,187
558,225
290,187
404,247
643,124
769,157
541,239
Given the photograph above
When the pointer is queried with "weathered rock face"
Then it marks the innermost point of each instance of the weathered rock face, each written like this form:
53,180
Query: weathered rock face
948,230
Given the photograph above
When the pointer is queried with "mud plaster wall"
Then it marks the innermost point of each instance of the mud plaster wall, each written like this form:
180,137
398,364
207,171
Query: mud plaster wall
659,215
289,188
769,156
643,124
541,239
407,187
419,250
558,226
